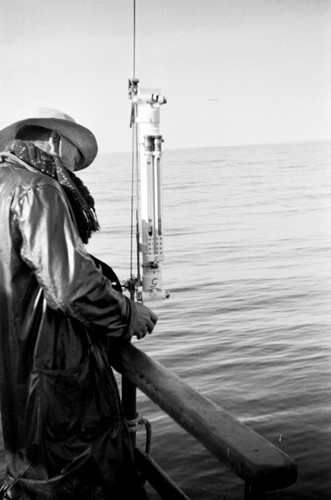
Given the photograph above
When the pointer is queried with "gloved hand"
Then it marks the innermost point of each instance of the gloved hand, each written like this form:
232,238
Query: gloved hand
145,320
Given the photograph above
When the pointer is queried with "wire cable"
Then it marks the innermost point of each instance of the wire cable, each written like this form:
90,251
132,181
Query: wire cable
134,40
134,165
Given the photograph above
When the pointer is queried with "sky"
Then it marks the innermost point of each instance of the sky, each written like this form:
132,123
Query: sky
233,71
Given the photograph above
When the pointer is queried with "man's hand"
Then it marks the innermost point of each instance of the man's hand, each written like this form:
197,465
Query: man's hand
145,320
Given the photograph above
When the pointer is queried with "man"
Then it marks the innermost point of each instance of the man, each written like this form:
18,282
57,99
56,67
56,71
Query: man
64,433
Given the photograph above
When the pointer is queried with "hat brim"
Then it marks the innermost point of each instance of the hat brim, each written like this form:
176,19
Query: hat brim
80,136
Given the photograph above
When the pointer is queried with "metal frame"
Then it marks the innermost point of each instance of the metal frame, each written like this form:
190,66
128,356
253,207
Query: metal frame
262,466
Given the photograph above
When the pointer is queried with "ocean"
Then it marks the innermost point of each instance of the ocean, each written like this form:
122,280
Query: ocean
247,237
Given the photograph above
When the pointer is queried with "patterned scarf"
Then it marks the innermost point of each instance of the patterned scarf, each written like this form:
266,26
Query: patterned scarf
80,199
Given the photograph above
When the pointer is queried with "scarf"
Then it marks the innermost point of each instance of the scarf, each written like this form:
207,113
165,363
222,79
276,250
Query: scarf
79,197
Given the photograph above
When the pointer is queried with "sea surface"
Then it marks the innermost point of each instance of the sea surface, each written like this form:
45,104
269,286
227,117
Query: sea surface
248,322
247,237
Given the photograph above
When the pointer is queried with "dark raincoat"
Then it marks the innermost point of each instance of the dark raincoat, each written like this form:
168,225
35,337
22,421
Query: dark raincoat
62,422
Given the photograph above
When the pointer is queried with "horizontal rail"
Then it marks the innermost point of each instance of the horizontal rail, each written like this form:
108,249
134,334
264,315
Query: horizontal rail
252,458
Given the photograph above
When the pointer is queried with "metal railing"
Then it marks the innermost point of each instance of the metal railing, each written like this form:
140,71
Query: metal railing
262,466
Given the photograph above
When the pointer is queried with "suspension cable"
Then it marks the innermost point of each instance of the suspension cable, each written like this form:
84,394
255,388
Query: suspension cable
134,168
134,40
132,199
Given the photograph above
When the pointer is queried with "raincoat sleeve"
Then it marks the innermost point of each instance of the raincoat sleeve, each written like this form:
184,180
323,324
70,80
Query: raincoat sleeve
72,283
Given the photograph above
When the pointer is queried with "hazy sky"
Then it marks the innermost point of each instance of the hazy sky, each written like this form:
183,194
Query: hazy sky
233,71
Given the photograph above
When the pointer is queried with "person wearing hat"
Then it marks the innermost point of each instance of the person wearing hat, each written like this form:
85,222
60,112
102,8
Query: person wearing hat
63,427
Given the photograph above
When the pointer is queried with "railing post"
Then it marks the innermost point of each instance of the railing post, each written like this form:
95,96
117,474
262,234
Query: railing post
129,403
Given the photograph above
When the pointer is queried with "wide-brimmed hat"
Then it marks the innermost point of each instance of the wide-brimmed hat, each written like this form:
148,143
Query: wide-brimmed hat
66,126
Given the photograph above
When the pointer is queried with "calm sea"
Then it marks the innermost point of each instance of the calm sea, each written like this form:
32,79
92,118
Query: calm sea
247,247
